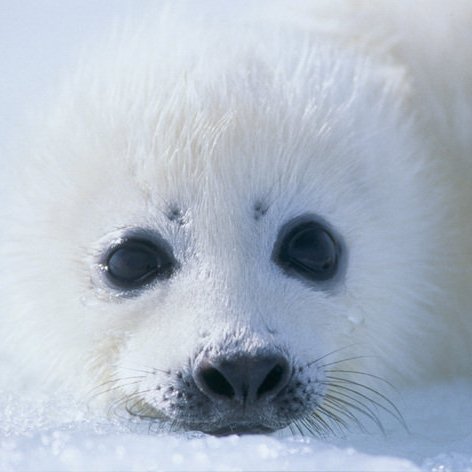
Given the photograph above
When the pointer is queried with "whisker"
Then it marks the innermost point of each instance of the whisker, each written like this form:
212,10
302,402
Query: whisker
360,408
329,354
121,402
333,417
116,387
357,406
342,410
345,406
358,372
312,427
151,371
300,430
325,428
395,413
131,409
114,380
354,358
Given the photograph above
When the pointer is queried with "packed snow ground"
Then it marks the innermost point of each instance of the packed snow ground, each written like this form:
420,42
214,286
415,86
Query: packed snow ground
49,434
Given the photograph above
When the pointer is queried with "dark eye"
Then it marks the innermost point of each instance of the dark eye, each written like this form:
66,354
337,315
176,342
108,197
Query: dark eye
308,249
137,262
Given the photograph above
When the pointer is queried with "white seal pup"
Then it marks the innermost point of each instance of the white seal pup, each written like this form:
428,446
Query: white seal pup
239,221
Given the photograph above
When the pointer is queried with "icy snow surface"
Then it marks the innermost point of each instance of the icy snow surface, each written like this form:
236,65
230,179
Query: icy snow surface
39,434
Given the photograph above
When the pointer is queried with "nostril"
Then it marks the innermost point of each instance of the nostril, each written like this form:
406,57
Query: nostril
272,380
242,379
215,382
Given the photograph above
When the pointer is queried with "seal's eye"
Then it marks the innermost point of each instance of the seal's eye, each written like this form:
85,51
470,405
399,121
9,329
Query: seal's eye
308,249
137,262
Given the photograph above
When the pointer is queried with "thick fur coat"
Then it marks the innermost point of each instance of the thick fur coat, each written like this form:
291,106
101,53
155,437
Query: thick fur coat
213,127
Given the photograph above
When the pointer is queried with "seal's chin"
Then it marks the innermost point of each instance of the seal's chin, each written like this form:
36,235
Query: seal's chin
239,425
240,429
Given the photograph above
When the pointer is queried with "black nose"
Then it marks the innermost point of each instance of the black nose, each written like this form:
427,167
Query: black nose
246,379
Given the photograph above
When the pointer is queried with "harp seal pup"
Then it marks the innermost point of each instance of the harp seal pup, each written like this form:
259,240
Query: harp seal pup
227,220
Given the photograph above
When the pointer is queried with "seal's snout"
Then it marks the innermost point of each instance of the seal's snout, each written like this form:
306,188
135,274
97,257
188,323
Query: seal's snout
231,389
242,379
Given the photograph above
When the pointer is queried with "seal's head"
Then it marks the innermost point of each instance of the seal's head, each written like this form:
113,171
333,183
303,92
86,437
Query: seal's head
213,235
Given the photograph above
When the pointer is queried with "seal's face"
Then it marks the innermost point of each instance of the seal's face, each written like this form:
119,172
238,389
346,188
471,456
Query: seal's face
223,355
247,256
226,237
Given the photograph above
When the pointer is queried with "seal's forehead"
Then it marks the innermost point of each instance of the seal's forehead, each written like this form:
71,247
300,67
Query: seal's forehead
224,100
253,133
265,124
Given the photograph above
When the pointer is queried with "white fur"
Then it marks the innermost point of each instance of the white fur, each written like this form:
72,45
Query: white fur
359,112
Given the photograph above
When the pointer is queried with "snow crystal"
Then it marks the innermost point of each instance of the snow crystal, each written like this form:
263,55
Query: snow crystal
57,434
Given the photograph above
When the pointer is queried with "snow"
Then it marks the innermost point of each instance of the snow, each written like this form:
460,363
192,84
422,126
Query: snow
66,451
37,41
42,433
